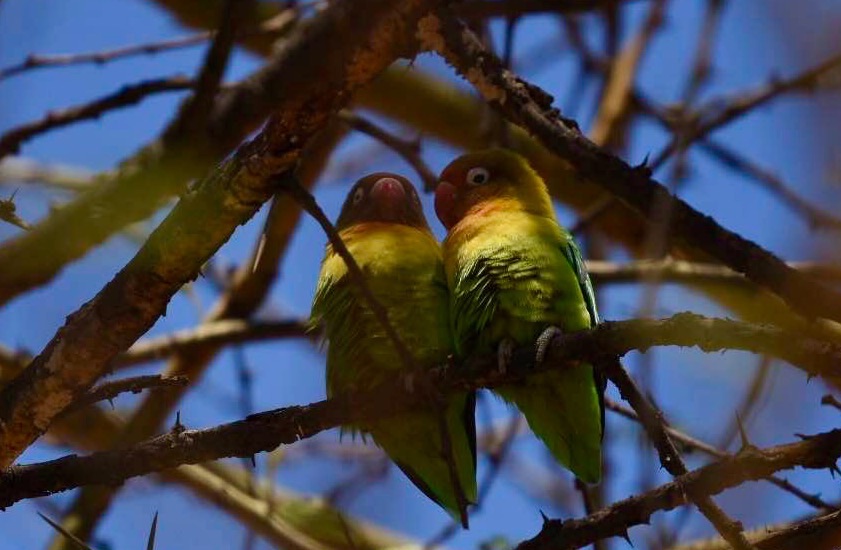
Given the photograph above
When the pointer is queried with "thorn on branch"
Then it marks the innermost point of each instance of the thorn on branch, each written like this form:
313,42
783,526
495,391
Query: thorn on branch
178,427
8,212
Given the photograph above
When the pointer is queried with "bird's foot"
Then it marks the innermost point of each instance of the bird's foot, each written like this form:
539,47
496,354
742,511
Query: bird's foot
543,342
503,354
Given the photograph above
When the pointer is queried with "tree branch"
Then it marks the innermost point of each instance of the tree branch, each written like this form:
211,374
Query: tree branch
109,390
817,452
652,420
210,335
409,151
128,95
265,431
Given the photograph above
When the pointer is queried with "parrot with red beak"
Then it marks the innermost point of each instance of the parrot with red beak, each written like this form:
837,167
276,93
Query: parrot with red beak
384,228
516,278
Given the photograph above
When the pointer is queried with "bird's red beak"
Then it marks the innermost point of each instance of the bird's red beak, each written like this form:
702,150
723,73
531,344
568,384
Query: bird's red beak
389,195
445,203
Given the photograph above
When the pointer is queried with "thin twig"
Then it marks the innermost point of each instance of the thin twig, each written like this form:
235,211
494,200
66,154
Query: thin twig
720,112
816,217
131,94
109,390
211,335
17,170
671,270
477,9
702,65
40,61
409,150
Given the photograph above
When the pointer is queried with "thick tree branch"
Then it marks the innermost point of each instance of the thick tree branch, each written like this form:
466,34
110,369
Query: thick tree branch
205,218
814,357
248,289
820,451
267,430
529,106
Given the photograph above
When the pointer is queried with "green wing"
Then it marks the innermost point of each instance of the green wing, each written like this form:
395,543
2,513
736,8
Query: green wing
573,256
514,286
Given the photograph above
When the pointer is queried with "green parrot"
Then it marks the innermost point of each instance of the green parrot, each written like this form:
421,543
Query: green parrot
383,226
516,277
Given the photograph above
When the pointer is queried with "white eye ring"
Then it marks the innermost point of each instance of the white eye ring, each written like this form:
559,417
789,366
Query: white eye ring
478,176
358,194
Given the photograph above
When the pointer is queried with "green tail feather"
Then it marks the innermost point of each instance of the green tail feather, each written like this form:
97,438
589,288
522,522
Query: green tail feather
413,441
562,410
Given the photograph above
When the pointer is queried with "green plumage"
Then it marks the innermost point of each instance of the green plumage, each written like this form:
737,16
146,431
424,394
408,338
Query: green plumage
513,272
403,268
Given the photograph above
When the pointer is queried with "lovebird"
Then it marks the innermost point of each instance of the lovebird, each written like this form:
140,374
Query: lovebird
384,228
516,277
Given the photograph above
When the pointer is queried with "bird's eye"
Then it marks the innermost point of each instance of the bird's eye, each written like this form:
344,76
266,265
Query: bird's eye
478,176
358,194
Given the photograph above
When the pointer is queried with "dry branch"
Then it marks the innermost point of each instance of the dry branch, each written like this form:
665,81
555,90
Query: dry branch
109,390
652,420
126,96
689,442
529,106
210,335
820,451
41,61
408,150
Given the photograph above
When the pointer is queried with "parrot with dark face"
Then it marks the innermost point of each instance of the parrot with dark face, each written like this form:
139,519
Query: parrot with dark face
516,277
384,228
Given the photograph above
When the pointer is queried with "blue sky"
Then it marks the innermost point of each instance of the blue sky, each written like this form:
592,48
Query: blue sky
697,391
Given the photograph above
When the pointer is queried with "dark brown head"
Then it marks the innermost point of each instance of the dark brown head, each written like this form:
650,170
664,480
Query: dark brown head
382,197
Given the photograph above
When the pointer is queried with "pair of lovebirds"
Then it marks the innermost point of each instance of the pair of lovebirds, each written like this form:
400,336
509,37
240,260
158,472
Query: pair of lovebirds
507,274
